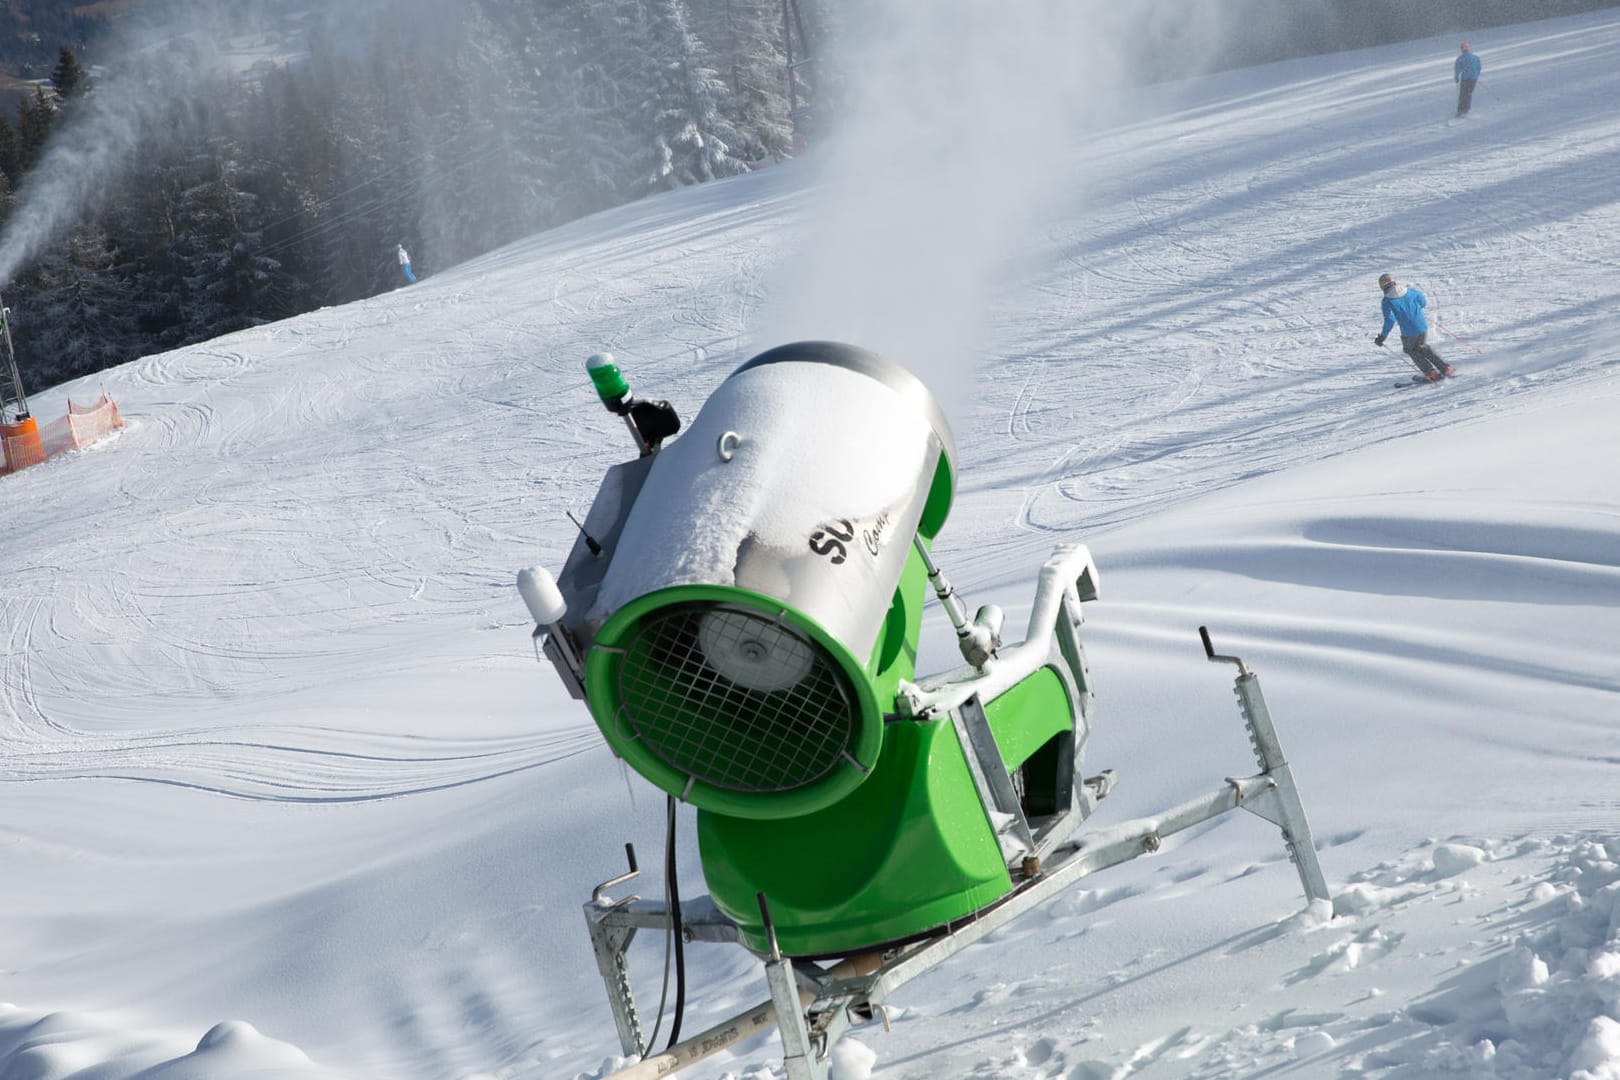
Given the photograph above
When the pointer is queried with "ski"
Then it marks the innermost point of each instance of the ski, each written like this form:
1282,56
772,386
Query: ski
1419,380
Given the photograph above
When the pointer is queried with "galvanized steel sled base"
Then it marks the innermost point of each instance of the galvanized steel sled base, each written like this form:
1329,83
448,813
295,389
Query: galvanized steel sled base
813,1002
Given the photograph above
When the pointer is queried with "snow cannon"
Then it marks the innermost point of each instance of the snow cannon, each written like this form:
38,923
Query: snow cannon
20,444
741,613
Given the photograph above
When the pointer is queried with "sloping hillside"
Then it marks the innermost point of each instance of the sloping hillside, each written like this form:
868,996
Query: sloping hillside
278,755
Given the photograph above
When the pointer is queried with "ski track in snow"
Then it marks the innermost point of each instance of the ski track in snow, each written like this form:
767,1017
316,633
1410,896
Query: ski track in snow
1205,369
289,582
1209,353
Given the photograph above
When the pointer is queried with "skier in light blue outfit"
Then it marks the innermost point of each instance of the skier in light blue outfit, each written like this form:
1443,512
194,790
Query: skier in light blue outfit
1405,306
1465,74
405,264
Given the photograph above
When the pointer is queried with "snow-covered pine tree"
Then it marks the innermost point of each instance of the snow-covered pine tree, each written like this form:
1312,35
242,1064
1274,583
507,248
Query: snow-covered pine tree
67,78
294,149
34,121
75,310
679,110
11,162
229,280
571,59
745,40
481,166
355,222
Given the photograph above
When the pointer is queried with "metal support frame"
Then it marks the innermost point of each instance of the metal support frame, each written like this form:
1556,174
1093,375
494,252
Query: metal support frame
813,1006
1052,641
799,1049
990,777
610,940
1283,806
18,398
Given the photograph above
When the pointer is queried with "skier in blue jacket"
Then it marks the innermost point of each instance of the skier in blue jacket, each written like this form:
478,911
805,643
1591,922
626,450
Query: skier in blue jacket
1465,74
1405,306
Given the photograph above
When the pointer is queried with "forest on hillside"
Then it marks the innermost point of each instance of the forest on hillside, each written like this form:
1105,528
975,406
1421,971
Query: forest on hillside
258,194
31,32
257,191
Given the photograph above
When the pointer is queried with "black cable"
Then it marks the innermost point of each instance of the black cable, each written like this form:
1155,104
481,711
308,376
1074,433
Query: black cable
669,937
674,892
663,996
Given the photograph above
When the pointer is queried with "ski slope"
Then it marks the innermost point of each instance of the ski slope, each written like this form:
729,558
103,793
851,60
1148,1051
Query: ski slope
284,792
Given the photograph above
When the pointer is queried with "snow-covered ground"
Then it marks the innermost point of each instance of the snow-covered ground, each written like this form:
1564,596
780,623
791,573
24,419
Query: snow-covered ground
284,792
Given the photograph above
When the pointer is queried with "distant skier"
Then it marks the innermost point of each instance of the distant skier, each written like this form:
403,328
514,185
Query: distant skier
405,264
1405,306
1466,72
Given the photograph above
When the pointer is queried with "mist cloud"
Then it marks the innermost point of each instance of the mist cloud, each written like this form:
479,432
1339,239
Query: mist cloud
950,147
130,110
961,129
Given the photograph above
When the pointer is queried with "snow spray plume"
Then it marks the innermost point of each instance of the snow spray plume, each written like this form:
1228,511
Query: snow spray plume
156,67
955,120
960,125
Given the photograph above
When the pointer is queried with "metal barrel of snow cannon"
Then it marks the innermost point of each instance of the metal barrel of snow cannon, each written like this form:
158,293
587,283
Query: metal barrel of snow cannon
751,627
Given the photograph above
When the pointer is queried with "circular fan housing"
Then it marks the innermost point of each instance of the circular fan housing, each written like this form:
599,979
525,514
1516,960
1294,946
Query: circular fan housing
733,702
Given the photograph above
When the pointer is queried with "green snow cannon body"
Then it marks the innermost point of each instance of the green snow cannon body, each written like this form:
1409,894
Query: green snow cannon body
745,634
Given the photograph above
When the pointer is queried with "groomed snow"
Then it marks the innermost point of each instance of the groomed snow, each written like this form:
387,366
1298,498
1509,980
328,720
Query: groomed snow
285,794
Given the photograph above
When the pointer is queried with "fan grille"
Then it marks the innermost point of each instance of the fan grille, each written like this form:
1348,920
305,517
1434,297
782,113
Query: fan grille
767,712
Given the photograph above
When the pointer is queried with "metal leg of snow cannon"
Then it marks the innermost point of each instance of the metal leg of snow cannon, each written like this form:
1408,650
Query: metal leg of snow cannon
813,1007
818,998
859,986
613,924
798,1047
1280,804
609,940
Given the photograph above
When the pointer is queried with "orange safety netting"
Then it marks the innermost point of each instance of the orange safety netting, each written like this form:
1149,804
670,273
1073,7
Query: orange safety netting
25,444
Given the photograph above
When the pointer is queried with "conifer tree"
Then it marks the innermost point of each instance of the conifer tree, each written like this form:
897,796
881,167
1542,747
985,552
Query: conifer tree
590,147
745,40
230,282
77,308
286,145
673,104
346,233
67,78
487,171
264,194
11,162
34,119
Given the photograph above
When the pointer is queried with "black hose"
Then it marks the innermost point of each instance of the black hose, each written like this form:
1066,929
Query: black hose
663,996
672,888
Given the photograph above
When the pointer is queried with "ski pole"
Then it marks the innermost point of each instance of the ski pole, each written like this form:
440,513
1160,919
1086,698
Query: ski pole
1457,337
1434,317
1411,363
